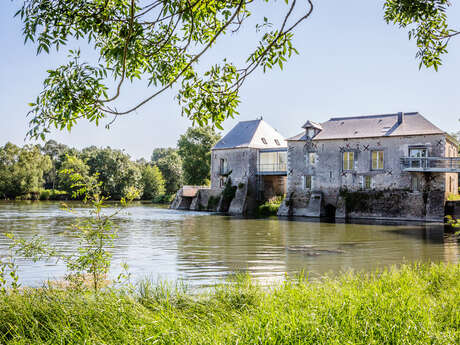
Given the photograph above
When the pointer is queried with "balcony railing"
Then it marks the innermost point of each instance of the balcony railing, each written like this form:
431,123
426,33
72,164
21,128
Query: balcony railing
277,168
431,164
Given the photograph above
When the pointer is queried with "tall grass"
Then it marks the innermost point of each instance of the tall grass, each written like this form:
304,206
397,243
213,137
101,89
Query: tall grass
418,304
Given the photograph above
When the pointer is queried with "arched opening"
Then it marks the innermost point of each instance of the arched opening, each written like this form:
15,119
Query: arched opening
330,211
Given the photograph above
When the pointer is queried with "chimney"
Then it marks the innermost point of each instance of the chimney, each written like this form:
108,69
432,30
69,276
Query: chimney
400,118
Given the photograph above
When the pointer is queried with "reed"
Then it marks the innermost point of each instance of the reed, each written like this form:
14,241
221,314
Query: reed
410,304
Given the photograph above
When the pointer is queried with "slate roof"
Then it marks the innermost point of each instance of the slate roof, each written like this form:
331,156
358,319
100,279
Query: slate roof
372,126
250,134
311,124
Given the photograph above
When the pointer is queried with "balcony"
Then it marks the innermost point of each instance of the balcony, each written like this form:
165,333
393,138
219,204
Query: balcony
431,164
272,169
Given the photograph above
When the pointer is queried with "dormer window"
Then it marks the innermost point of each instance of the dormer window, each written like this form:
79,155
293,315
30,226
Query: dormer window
264,141
310,132
277,142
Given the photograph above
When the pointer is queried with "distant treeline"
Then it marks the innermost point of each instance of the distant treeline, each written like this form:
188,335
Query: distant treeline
41,171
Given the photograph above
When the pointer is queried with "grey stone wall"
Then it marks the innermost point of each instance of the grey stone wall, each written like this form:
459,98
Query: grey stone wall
243,165
330,178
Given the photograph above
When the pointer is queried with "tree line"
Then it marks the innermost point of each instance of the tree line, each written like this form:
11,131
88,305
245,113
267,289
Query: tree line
42,171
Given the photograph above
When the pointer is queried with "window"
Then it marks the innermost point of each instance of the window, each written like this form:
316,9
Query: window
348,160
310,158
223,166
310,132
221,182
418,152
367,182
377,160
264,141
307,182
415,184
277,142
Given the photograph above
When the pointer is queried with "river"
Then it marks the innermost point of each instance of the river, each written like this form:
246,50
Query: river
202,248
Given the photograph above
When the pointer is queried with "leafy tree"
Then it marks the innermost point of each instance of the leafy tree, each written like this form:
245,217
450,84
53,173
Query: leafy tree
160,41
56,152
161,152
153,182
427,24
195,149
170,164
21,170
71,165
117,173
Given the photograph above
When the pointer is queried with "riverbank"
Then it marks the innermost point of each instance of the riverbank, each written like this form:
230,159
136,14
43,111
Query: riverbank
417,304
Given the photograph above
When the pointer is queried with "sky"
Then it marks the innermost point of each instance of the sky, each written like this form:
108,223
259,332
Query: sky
350,63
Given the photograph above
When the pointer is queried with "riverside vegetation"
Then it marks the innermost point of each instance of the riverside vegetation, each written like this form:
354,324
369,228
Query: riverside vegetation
36,172
412,304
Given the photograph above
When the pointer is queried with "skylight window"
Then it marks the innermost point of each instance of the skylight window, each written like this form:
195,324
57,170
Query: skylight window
264,141
277,142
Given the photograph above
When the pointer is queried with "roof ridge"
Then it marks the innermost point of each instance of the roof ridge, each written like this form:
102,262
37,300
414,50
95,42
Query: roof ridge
369,116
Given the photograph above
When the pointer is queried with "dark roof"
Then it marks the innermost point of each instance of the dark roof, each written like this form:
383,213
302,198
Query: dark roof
373,126
255,134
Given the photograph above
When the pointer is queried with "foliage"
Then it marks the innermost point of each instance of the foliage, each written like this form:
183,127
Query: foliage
427,24
21,170
41,173
75,165
160,42
8,267
116,172
53,194
170,164
412,304
195,149
270,208
164,199
153,182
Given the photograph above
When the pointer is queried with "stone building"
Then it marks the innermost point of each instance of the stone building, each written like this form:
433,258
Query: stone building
253,156
380,166
251,159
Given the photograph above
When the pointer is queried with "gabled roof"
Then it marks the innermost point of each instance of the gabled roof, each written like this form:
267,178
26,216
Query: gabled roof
254,134
311,124
373,126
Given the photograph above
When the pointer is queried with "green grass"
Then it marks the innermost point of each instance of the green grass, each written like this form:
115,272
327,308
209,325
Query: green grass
418,304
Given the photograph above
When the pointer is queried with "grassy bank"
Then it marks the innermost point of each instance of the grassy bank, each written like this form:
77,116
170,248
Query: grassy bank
410,305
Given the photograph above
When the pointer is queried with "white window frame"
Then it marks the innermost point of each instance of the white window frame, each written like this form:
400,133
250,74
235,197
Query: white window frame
348,153
379,153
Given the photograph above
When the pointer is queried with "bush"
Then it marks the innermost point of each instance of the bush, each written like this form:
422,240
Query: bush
163,199
270,208
53,194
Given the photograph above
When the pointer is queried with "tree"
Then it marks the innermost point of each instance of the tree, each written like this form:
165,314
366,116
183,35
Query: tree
427,24
153,182
160,41
116,172
170,164
71,165
55,151
195,150
21,170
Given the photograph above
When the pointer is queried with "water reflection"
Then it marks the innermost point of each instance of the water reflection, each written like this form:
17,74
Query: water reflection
202,248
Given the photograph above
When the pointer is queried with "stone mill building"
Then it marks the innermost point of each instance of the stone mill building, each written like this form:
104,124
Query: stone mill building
379,166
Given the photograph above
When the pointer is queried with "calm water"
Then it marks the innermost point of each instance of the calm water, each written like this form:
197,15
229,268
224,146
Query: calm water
202,249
